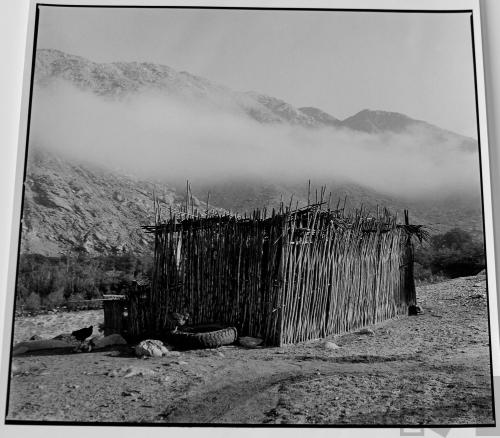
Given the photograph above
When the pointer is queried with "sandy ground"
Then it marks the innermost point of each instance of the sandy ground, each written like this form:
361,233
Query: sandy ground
429,369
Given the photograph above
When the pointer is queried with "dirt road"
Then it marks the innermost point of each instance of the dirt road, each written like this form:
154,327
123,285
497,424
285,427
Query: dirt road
433,368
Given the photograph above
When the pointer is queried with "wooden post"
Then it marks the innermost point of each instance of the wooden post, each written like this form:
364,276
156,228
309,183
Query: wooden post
409,279
113,315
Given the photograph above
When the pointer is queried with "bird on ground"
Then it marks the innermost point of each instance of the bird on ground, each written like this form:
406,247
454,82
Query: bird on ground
177,319
83,333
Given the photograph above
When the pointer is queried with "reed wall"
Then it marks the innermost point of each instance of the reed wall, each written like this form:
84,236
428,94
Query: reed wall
287,278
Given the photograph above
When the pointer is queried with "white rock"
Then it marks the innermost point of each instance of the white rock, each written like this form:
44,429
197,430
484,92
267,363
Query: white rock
15,369
134,371
330,345
151,347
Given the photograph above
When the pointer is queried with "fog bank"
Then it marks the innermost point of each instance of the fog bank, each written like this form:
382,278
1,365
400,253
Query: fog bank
171,140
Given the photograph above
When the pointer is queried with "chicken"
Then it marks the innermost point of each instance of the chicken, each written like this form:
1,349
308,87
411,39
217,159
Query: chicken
83,333
177,319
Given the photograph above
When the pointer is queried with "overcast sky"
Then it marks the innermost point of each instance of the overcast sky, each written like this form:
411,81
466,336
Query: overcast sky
341,62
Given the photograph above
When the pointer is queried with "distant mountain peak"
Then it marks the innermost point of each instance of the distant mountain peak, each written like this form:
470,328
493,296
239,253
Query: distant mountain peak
321,116
377,120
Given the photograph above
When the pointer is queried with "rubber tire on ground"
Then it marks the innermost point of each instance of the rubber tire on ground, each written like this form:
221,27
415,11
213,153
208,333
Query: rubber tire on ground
204,339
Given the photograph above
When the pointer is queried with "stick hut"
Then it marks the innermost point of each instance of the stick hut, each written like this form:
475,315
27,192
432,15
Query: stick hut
287,276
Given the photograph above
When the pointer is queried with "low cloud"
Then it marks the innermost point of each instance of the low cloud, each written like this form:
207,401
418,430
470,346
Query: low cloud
171,140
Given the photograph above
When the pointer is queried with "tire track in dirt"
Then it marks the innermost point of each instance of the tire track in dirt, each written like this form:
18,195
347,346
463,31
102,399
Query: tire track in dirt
233,398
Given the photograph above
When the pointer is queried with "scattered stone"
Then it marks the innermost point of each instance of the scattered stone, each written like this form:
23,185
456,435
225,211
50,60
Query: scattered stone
151,348
35,338
330,345
134,371
129,393
15,369
221,354
249,342
113,373
366,331
130,372
117,196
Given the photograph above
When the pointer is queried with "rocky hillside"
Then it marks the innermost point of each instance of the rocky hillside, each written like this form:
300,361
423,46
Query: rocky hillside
440,215
71,206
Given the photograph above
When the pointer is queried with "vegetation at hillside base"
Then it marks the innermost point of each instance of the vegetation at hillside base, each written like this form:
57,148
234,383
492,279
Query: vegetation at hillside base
48,282
449,255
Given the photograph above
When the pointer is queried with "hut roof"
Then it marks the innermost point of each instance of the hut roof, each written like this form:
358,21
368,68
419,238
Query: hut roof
310,219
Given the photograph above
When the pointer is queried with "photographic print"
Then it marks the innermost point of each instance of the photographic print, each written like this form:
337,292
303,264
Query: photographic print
252,216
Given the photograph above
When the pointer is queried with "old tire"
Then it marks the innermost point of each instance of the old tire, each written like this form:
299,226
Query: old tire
200,337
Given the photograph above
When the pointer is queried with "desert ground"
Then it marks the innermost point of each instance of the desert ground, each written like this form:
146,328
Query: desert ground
432,369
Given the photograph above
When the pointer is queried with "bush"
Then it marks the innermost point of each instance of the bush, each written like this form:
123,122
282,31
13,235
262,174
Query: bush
54,299
33,302
75,276
452,254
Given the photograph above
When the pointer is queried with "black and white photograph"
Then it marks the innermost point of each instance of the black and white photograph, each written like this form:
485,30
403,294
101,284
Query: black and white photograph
253,216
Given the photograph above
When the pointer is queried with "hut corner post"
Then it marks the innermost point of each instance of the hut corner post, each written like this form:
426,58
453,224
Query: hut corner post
409,279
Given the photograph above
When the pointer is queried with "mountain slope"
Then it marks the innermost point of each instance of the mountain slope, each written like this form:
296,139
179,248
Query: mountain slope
70,206
440,214
119,79
321,117
374,122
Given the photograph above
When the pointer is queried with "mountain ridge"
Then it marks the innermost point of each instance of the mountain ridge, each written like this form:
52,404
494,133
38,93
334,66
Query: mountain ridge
117,79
